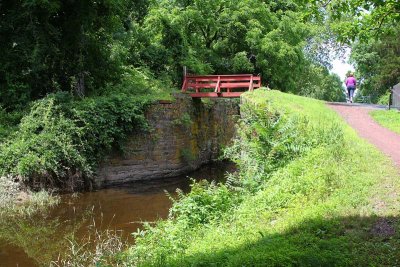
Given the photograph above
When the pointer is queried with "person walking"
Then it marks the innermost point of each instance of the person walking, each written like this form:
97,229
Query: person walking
351,84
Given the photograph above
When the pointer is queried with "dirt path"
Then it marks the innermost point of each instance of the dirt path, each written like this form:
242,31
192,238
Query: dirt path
358,118
386,199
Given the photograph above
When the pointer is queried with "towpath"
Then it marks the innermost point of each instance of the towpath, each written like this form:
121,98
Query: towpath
357,117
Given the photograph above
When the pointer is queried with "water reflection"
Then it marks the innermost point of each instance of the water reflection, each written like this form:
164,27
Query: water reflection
35,241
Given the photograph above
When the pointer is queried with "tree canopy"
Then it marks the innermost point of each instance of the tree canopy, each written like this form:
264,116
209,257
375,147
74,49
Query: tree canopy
85,46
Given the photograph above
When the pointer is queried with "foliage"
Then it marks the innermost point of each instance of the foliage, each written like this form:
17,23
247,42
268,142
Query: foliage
61,138
316,82
384,99
370,29
141,84
61,45
363,19
388,118
267,38
8,122
185,120
50,47
378,63
205,203
269,140
81,254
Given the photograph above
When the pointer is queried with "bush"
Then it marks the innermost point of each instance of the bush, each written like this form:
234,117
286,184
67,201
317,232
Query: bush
140,83
384,99
206,202
8,122
269,139
62,138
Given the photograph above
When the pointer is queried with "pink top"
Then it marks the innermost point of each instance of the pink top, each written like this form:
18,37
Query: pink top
351,81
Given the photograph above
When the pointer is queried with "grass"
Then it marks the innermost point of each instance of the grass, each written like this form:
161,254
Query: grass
98,249
317,201
388,118
15,201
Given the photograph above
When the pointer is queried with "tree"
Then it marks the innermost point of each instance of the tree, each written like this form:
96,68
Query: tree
378,63
358,19
266,37
61,45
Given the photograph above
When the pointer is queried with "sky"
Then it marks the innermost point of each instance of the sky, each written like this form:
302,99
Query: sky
341,68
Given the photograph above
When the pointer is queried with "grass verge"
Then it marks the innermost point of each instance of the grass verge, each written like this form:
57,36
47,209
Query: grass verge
387,118
310,192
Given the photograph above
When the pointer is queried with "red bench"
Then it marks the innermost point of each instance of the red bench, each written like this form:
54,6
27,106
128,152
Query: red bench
220,85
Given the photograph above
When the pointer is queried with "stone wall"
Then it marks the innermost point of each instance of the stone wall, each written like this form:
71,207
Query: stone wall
184,134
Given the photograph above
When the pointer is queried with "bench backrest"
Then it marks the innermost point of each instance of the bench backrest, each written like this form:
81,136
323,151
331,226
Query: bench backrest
221,83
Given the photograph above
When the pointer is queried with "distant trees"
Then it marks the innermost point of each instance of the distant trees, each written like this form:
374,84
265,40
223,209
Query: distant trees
378,63
371,29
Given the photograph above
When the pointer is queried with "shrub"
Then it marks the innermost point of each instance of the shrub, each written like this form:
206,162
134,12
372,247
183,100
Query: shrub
269,139
62,138
206,202
384,99
8,122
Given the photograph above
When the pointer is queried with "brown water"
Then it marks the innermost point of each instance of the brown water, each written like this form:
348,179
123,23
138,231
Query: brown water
37,240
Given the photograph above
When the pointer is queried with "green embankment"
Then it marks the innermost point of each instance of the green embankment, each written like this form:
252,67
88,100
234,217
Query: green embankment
310,192
388,118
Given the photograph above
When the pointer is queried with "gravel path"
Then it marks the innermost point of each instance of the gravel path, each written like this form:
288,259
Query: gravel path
358,118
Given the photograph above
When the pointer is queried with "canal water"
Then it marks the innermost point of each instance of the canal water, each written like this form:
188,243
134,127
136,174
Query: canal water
39,239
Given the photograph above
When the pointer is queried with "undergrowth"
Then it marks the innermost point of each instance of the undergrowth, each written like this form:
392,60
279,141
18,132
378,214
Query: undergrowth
62,138
15,201
303,197
8,122
98,249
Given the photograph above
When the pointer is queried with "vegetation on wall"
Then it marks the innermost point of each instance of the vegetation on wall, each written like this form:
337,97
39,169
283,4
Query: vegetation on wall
62,138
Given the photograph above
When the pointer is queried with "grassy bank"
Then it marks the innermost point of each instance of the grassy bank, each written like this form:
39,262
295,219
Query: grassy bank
388,118
309,193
